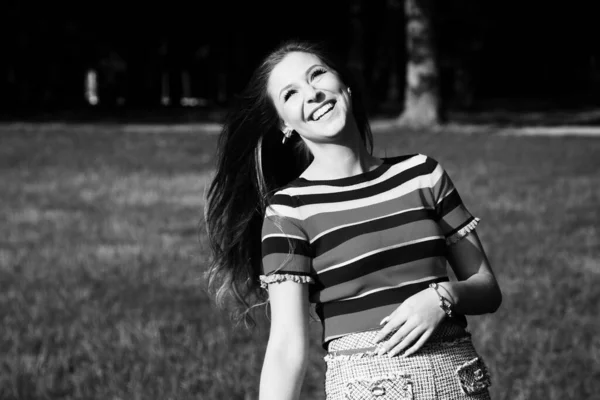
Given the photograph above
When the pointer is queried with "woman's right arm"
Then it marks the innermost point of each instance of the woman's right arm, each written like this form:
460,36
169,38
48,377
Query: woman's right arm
286,357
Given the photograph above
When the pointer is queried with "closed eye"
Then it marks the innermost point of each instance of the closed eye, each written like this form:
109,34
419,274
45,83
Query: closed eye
316,72
288,94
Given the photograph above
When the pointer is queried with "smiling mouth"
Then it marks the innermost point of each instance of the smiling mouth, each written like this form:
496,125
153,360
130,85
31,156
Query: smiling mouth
321,111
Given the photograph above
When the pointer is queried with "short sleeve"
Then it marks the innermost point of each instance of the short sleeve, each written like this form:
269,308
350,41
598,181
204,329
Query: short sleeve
286,252
453,217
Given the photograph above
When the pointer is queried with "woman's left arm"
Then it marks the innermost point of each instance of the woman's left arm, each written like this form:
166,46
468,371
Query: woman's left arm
476,291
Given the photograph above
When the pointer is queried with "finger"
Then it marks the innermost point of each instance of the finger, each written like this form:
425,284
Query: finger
412,336
393,323
396,337
415,347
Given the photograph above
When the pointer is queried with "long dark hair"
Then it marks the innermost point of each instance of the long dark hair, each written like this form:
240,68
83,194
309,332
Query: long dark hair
252,165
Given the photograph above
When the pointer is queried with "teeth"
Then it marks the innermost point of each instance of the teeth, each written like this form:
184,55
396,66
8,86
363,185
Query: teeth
321,111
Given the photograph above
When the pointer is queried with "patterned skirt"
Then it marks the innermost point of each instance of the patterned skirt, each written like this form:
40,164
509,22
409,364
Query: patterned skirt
446,367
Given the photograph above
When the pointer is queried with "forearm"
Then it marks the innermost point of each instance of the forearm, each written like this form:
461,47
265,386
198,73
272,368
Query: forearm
283,372
477,291
479,294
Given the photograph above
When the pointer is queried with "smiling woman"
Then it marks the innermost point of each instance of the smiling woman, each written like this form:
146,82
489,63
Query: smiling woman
310,98
318,219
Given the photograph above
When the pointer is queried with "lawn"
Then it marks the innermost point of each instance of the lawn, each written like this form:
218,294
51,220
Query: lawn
103,248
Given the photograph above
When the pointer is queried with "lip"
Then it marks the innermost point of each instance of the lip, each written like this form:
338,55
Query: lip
310,116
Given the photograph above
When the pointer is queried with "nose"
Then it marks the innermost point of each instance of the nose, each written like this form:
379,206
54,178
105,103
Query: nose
312,94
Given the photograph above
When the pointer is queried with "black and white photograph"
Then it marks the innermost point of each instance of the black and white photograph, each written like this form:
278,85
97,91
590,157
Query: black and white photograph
311,200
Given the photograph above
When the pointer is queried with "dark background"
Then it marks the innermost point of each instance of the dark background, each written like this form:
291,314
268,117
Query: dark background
510,54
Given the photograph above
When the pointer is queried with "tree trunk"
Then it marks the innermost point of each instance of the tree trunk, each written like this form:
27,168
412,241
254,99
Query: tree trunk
422,94
357,40
394,13
385,68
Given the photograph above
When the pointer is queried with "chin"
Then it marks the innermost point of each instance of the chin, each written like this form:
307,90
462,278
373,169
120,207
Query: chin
336,127
330,129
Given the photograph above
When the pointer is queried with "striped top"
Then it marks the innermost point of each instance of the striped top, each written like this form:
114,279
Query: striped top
364,243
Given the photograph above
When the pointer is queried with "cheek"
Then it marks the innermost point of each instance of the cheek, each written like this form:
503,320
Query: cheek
292,109
333,83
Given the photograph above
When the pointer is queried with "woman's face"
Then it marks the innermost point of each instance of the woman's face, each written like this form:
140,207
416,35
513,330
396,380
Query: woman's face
309,97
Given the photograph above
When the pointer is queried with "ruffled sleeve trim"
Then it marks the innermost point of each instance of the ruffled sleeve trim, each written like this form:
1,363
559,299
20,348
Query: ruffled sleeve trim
278,278
462,232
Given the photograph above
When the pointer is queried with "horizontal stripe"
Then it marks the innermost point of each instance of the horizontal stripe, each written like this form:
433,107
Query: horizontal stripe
365,320
381,289
459,216
393,296
336,237
305,211
283,235
317,224
285,263
458,228
318,188
378,251
382,258
369,241
285,245
280,199
360,245
282,225
418,171
449,203
360,222
439,179
297,273
360,321
441,196
387,277
354,179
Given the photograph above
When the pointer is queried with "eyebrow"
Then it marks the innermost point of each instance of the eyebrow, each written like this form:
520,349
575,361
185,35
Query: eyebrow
305,74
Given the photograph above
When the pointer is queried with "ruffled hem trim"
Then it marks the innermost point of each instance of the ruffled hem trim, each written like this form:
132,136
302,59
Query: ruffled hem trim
462,233
278,278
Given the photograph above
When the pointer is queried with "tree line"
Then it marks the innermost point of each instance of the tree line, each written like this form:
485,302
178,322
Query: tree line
415,58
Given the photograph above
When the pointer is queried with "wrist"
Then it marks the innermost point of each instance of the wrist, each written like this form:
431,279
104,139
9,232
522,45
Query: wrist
443,301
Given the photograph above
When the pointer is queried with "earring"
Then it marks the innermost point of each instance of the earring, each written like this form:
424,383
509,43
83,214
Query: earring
349,92
287,133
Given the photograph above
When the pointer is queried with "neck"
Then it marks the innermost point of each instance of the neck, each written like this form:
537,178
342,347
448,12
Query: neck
341,159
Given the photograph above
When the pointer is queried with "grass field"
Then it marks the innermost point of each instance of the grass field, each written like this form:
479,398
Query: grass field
103,247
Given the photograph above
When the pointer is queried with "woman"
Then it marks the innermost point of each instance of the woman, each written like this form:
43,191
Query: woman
301,207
